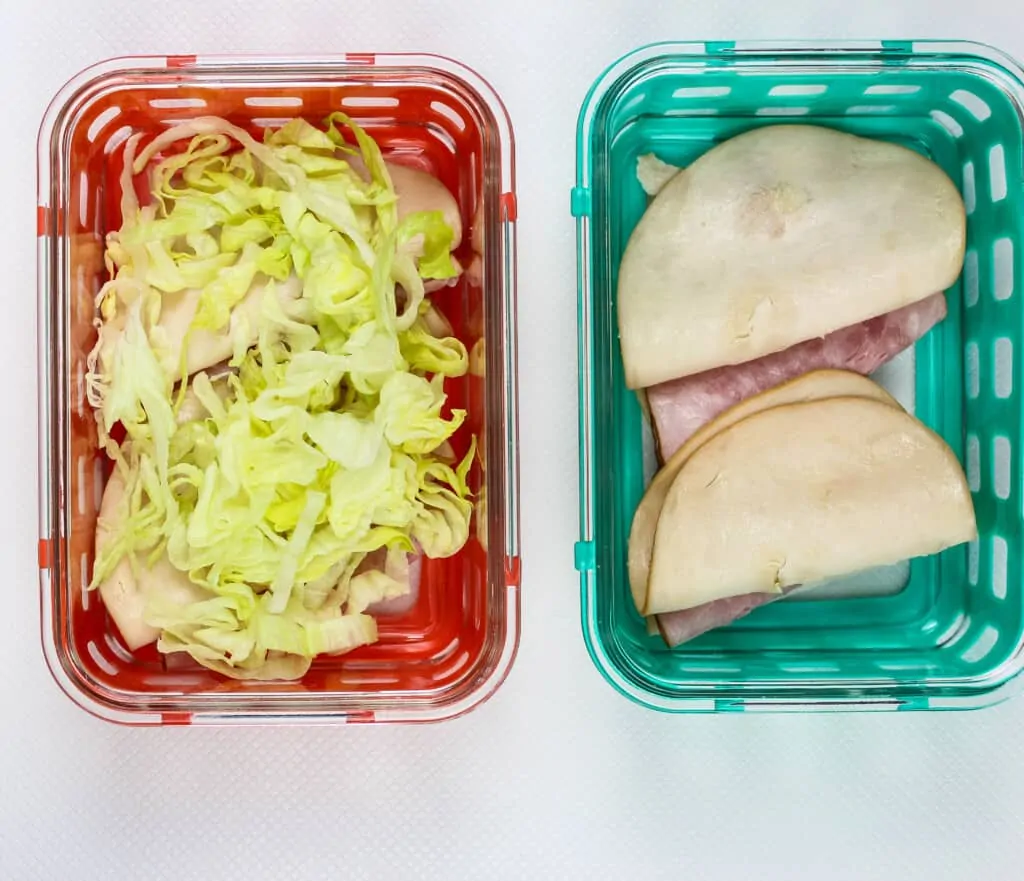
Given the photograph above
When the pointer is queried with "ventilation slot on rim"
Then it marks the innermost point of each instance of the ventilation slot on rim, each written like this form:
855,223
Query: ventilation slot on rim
81,495
948,123
83,198
117,648
997,173
985,643
971,278
117,139
100,122
970,196
444,136
999,552
1001,466
80,391
865,109
975,106
784,90
450,114
369,101
273,101
972,368
972,562
892,90
702,92
973,463
783,111
1003,379
1002,257
102,661
83,562
174,103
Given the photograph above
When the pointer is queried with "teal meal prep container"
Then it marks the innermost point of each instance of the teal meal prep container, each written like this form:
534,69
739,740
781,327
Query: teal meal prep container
937,632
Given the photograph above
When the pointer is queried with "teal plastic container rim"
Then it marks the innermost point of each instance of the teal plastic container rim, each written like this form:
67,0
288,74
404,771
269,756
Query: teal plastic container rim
705,54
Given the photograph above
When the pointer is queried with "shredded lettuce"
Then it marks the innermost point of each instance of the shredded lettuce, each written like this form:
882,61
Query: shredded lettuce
328,439
432,238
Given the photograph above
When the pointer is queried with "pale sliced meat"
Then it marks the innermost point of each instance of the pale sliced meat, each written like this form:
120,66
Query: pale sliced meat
209,347
781,234
679,407
206,348
812,386
859,483
418,191
127,592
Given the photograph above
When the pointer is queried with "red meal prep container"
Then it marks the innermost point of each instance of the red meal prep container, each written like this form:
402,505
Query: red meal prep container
454,646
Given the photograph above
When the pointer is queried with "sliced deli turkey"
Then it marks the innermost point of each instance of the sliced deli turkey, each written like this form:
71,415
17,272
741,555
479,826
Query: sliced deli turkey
762,286
803,492
812,386
780,235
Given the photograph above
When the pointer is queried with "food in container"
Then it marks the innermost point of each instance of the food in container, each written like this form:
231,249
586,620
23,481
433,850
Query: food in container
754,265
446,623
941,630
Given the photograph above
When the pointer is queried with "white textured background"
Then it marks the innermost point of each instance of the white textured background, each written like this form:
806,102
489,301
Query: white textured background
556,776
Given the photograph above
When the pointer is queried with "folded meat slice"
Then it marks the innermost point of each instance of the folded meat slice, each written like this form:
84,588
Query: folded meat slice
679,627
813,386
681,406
920,504
805,492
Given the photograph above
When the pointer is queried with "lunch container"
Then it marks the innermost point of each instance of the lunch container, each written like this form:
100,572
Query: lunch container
938,632
453,647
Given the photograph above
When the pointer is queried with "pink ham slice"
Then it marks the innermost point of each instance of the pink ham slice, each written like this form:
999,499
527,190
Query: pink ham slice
679,627
680,406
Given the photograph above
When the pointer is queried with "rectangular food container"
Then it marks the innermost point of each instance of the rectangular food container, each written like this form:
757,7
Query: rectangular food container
455,645
940,632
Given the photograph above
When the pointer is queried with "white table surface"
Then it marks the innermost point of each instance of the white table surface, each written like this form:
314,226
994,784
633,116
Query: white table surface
556,776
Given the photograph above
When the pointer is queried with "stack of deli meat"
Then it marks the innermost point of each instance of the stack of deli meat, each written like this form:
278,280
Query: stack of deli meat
761,288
